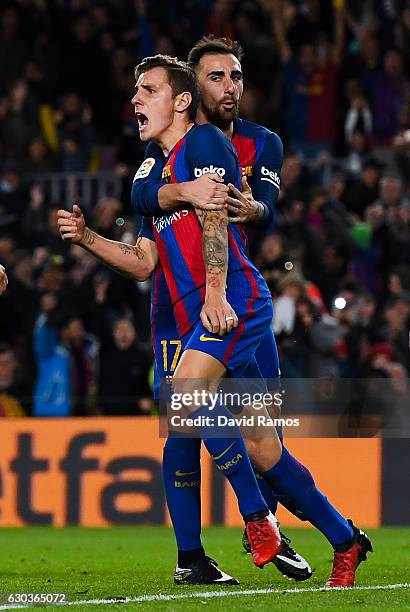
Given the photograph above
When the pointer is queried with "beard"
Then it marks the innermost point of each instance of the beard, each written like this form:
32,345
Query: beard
220,117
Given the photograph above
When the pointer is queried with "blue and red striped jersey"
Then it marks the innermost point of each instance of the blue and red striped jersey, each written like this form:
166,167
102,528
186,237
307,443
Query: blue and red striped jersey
260,154
178,234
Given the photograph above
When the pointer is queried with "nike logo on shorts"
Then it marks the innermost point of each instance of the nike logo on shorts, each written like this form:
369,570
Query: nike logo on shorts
204,338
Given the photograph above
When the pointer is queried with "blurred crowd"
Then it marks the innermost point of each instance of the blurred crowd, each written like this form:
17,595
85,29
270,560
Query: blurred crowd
331,77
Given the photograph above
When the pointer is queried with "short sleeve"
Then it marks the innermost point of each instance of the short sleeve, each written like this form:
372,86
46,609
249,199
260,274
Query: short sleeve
146,229
266,175
147,182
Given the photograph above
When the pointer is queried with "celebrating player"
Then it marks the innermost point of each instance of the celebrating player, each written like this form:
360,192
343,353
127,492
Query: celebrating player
166,104
223,91
217,63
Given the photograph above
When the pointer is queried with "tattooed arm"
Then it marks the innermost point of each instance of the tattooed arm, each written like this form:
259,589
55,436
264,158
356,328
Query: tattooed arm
135,262
215,250
216,309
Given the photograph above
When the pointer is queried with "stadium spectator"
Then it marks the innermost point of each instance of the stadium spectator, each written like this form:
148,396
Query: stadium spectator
391,196
308,338
219,20
359,115
39,157
292,288
14,50
359,327
392,94
123,374
403,33
365,191
311,85
399,280
272,256
364,64
292,181
13,198
19,121
75,135
395,328
358,128
66,362
15,388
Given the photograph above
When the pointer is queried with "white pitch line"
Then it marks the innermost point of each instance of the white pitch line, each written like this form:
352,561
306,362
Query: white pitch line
210,594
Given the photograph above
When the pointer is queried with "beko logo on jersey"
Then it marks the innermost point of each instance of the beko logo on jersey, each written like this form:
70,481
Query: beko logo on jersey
161,223
208,170
271,176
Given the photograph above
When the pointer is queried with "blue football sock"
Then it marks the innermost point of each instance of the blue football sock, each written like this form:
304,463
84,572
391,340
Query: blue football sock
229,452
232,460
181,470
266,489
296,489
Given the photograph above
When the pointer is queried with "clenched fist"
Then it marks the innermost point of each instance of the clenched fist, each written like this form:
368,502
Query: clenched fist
71,224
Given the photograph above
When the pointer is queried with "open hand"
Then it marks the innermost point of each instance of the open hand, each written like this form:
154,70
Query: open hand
243,208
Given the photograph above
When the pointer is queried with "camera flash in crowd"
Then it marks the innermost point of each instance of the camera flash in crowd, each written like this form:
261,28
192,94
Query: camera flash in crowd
340,303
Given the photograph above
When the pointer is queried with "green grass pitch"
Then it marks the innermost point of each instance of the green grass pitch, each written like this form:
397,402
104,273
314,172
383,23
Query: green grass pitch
124,562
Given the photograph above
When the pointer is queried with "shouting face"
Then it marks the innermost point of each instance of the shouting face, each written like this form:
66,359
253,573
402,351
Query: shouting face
154,104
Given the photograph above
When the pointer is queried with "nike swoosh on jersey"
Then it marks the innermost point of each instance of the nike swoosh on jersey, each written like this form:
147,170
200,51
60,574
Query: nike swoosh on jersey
204,338
298,564
179,473
223,453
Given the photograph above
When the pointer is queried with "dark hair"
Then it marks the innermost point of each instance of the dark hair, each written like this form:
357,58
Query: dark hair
181,77
60,318
214,45
5,348
317,192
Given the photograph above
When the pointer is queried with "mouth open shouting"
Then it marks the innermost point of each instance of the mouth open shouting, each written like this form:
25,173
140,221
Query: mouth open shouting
142,121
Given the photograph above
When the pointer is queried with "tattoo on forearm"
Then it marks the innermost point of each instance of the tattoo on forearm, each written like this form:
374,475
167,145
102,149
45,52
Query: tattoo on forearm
89,237
215,247
214,282
128,249
214,253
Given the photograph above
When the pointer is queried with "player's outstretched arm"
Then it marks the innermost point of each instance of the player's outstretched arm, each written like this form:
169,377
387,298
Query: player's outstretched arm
153,198
3,280
135,262
217,315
